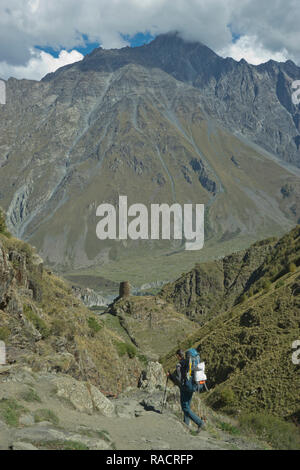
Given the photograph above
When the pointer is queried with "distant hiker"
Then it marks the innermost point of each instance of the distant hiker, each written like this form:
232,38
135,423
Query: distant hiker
184,378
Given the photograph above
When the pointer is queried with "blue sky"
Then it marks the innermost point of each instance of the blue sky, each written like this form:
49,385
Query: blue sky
134,41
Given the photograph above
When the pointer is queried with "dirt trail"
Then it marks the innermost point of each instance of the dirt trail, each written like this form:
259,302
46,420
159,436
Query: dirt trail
135,424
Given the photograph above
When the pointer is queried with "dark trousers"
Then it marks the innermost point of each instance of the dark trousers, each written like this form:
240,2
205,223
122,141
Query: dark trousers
186,395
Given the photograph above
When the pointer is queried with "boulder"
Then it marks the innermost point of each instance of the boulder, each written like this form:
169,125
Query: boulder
153,377
85,397
23,446
101,403
75,392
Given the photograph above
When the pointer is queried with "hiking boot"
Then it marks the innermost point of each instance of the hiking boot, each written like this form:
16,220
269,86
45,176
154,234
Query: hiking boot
202,427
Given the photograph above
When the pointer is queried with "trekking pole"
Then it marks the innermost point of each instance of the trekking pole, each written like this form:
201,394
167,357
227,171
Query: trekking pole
165,394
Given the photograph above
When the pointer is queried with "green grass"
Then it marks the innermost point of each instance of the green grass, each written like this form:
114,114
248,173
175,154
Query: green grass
143,359
3,228
31,395
229,428
10,411
4,333
162,265
61,445
126,348
94,325
280,434
103,435
46,415
38,322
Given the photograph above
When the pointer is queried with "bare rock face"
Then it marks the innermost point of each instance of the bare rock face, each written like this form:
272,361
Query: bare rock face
75,392
100,402
153,377
89,297
6,277
85,397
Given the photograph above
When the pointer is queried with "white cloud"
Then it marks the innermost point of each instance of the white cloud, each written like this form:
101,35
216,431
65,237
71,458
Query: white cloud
39,64
268,28
250,49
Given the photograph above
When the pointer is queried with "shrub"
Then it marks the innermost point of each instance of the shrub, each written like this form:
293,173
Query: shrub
267,285
242,299
227,427
45,415
143,359
126,348
280,434
10,411
4,333
279,284
38,322
31,395
222,398
61,445
3,228
94,325
58,327
292,268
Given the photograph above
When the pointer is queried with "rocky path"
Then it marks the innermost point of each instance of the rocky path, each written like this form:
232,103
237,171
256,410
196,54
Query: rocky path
58,412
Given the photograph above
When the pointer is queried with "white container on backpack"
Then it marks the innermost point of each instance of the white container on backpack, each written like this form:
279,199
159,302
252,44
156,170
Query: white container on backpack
200,375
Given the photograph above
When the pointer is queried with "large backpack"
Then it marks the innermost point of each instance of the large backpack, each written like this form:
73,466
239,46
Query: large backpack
195,372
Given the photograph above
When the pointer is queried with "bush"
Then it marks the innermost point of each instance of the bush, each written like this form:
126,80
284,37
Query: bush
266,285
279,284
280,434
58,327
242,299
45,415
143,359
10,411
62,445
94,325
292,268
227,427
222,398
126,348
4,333
3,228
31,396
38,322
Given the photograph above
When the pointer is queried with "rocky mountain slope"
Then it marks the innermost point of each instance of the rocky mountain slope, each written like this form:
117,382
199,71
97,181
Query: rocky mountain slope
210,288
248,345
46,327
167,122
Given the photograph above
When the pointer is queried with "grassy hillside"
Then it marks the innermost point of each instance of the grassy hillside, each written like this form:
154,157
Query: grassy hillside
248,347
212,287
152,324
46,327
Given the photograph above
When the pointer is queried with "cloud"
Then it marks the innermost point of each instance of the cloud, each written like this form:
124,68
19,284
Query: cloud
267,28
250,49
39,64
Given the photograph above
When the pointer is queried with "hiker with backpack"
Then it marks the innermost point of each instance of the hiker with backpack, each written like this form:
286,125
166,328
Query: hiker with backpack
190,377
